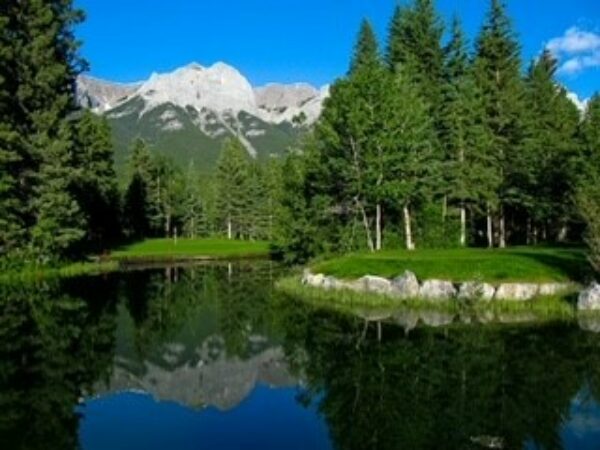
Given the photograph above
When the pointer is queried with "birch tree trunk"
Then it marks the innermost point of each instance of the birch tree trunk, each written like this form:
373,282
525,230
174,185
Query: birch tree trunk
378,227
463,226
366,225
502,229
229,230
490,229
410,245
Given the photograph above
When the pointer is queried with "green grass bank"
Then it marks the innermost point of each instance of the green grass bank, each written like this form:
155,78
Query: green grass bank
156,250
517,264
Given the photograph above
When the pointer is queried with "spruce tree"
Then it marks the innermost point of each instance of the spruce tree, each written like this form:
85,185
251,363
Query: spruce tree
469,176
551,127
194,211
12,226
366,51
96,187
138,208
497,74
232,188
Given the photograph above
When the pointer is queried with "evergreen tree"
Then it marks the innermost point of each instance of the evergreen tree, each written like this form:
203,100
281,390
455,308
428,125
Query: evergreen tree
469,176
552,122
588,168
96,188
194,214
138,208
12,226
232,187
366,51
497,74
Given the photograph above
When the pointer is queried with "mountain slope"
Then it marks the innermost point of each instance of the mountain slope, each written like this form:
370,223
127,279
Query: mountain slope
188,113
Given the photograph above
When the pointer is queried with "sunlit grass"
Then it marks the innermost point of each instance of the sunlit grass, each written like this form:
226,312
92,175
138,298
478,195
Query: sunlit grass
33,273
518,264
158,249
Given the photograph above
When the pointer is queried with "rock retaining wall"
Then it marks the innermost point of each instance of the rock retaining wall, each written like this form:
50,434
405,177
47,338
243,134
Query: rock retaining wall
407,286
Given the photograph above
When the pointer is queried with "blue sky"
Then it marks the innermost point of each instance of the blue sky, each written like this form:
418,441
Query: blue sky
309,40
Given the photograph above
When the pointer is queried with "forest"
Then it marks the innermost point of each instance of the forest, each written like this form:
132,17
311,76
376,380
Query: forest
428,141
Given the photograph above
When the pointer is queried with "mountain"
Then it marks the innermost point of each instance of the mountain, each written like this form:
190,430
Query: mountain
187,113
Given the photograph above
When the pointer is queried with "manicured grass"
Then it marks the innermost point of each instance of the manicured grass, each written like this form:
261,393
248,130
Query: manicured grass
34,273
168,249
524,264
372,304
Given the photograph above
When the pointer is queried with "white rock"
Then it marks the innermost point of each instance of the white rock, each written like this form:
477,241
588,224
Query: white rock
516,291
589,299
473,290
316,280
376,284
436,319
406,286
437,290
548,289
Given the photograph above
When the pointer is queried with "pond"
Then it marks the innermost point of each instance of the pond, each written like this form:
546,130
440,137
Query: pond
211,357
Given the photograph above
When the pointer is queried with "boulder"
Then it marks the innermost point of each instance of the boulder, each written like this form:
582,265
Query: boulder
473,290
589,322
436,319
330,283
589,299
549,289
314,280
437,290
351,285
406,286
375,284
516,291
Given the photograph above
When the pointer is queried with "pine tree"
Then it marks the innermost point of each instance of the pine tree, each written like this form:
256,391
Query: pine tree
47,67
588,168
497,74
12,226
552,122
469,175
194,214
138,208
96,187
232,187
366,51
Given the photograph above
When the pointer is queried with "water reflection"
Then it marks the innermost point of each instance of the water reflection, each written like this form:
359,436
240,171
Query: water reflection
211,355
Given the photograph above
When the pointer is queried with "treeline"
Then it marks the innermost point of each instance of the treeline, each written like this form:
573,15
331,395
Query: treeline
238,201
57,185
425,144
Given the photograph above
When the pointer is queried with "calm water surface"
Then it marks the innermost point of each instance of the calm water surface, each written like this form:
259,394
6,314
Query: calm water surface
210,357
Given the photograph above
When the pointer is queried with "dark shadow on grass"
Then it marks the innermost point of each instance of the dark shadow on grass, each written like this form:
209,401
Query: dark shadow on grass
573,264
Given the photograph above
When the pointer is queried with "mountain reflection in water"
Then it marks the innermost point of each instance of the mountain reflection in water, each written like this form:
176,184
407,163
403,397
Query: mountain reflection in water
211,357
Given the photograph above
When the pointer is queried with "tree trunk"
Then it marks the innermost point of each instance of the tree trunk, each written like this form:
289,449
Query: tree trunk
410,245
444,208
366,225
490,229
502,229
563,232
463,226
229,230
378,227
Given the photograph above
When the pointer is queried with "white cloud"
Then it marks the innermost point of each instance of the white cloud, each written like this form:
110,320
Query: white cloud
575,41
577,50
578,64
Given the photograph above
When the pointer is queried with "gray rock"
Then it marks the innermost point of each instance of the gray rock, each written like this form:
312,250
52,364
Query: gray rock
473,290
437,290
516,291
406,319
375,284
330,283
589,299
406,286
314,280
549,289
436,318
351,285
589,322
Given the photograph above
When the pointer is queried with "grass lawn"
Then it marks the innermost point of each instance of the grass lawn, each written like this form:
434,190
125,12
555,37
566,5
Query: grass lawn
159,249
525,264
30,274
